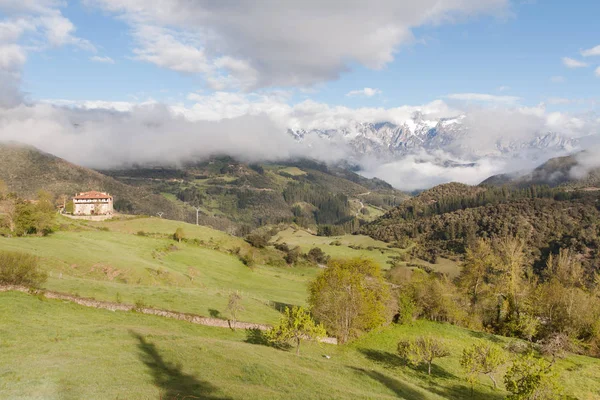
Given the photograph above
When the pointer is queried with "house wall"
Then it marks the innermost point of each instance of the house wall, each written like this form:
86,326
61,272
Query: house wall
92,207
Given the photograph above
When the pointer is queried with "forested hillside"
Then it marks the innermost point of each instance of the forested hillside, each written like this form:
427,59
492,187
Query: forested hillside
332,200
447,219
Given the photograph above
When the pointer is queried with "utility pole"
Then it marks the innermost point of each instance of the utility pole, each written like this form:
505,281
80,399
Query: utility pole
197,213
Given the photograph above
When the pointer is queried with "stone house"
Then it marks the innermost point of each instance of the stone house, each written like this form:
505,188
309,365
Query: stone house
93,203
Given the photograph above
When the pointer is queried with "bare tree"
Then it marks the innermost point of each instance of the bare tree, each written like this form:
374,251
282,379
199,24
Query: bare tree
160,214
234,306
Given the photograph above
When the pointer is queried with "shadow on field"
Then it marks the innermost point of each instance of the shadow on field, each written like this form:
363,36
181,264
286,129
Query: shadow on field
173,382
391,360
485,336
401,389
256,336
385,358
281,306
215,313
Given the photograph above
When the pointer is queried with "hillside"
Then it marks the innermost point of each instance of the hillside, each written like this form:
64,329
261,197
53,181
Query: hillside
26,170
564,172
446,219
305,192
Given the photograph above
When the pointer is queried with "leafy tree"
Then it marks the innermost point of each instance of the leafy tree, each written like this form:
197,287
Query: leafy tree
530,378
482,358
20,269
235,306
422,350
295,325
179,235
480,264
350,297
317,256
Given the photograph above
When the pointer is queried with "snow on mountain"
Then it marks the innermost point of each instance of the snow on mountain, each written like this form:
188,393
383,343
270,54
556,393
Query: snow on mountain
451,135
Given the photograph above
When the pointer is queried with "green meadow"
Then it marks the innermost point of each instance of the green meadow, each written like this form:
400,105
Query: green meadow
54,349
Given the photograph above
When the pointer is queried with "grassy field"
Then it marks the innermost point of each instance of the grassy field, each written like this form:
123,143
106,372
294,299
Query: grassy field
118,265
58,350
362,246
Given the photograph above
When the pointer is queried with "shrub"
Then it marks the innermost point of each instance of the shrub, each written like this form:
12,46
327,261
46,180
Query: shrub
179,235
317,256
20,269
256,240
141,233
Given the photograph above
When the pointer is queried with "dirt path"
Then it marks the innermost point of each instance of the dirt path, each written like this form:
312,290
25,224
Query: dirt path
107,305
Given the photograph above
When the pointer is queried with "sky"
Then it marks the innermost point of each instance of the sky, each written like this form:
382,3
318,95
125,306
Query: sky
142,71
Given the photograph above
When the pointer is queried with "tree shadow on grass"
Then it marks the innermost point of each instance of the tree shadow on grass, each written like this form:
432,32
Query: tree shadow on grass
384,358
485,336
400,388
215,313
281,306
256,336
391,360
173,382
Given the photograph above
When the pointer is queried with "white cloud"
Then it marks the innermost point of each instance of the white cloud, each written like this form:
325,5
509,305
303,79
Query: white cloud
482,97
598,72
557,79
503,88
425,170
277,43
594,51
572,63
367,92
105,60
26,26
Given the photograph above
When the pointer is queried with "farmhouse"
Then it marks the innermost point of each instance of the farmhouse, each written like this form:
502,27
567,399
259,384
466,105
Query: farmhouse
93,203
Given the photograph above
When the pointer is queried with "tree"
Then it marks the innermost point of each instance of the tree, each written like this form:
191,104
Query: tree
350,297
530,378
295,325
480,262
234,306
179,235
317,256
422,350
482,358
20,269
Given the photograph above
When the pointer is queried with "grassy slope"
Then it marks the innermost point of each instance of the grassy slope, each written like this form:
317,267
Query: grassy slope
56,350
120,265
380,253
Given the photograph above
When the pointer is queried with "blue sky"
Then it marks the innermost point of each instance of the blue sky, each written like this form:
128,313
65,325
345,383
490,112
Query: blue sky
515,52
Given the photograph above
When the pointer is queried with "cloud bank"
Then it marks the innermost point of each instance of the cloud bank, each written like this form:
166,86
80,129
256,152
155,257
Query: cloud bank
272,43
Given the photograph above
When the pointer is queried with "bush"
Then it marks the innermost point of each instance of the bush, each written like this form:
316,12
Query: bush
20,269
256,240
141,233
317,256
179,235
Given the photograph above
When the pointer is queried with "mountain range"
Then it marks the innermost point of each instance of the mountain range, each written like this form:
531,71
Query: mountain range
422,132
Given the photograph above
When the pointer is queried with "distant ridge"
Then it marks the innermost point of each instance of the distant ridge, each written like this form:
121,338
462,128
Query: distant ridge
556,172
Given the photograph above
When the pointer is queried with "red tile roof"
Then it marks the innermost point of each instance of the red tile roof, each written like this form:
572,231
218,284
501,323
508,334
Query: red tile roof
92,195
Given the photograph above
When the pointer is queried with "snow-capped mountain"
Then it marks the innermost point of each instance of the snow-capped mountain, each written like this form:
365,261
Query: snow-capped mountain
452,135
